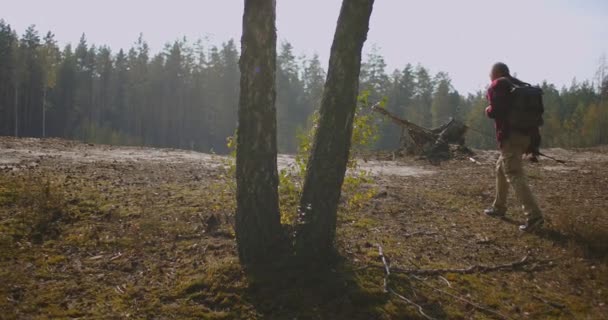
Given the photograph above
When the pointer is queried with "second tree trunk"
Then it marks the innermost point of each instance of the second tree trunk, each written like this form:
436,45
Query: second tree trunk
327,164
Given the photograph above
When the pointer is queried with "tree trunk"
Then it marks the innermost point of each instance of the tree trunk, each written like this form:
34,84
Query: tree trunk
327,163
44,113
258,226
16,111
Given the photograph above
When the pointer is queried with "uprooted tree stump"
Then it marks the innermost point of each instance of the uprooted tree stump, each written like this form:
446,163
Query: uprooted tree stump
435,144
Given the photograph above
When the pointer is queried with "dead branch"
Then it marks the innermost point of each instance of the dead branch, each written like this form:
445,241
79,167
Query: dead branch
387,273
469,270
414,273
420,233
446,281
469,302
402,122
387,270
420,310
474,161
553,304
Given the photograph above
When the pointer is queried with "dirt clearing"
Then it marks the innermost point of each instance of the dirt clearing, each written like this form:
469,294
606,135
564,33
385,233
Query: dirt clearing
101,232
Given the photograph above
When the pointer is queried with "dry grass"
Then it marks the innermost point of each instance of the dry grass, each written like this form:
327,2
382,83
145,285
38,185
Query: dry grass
586,232
137,240
37,208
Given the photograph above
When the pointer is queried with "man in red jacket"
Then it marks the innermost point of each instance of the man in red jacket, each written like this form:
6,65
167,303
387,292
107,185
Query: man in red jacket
513,144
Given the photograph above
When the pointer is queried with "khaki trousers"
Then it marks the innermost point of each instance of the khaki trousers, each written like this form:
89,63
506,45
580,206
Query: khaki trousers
510,171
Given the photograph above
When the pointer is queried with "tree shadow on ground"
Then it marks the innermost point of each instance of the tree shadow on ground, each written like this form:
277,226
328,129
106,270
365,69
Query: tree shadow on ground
289,291
338,292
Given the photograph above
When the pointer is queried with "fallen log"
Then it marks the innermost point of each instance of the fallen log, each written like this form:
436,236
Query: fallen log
433,143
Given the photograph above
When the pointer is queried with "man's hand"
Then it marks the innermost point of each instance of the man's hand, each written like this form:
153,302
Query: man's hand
489,112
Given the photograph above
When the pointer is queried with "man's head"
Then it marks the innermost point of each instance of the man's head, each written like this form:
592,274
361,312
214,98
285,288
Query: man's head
499,70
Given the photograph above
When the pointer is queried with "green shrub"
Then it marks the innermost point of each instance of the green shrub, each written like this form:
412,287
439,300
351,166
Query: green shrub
291,178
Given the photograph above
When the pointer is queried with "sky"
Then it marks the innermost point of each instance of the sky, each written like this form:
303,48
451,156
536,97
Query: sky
553,40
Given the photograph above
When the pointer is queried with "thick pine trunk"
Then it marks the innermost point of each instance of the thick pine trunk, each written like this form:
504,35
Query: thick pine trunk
258,226
327,163
44,113
16,111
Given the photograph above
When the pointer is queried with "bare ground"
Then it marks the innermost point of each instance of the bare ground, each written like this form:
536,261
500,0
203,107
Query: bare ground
100,232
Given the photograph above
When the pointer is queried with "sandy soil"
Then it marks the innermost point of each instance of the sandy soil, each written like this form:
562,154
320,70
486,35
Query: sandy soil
30,152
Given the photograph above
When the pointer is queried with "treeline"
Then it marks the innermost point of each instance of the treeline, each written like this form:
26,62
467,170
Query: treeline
186,96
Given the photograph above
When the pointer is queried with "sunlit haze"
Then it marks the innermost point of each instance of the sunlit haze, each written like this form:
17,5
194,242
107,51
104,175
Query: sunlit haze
553,40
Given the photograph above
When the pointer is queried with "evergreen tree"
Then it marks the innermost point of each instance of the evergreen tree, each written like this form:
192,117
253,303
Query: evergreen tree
105,94
443,106
290,111
63,117
186,95
31,84
373,75
50,58
229,94
420,113
552,130
400,98
214,99
137,60
83,91
481,134
7,73
120,96
314,80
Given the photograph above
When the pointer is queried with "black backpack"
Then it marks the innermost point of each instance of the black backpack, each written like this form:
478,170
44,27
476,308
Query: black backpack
526,109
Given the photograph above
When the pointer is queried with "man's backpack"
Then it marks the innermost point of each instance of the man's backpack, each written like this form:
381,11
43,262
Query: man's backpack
526,110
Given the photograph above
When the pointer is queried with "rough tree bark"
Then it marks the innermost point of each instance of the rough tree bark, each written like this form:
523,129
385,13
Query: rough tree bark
16,110
327,164
258,226
44,112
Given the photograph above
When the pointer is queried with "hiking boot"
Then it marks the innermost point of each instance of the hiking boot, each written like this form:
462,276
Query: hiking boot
532,224
493,212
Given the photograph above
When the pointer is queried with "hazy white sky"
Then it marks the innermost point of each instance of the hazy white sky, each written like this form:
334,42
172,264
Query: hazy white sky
555,40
